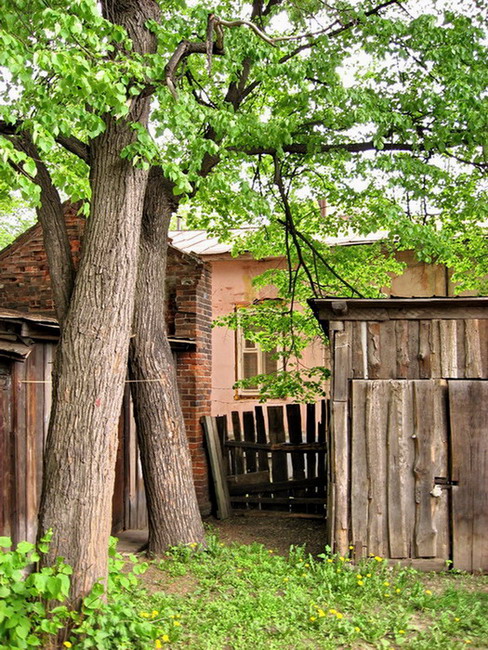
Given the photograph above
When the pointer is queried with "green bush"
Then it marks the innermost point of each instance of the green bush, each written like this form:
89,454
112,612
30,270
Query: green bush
25,619
28,618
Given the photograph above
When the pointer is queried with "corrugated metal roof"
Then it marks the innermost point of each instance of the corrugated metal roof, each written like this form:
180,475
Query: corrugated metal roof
200,243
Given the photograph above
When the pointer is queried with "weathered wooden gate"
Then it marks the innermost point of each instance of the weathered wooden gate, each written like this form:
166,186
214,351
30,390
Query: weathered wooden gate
271,462
408,473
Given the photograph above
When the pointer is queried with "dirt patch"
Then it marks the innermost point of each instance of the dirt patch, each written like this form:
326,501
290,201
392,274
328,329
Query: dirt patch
277,533
156,580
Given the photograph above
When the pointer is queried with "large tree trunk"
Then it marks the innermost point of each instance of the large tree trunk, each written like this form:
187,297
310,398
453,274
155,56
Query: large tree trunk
92,355
174,517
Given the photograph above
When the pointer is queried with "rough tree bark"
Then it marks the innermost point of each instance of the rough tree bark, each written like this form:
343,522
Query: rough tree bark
174,517
92,355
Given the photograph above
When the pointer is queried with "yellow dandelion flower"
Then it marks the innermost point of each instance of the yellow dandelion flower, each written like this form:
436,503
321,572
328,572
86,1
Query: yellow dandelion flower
313,618
342,559
154,613
357,629
158,644
320,612
285,579
360,583
351,548
239,570
428,592
165,638
270,550
456,618
398,590
387,595
339,615
177,615
368,575
359,576
330,561
386,584
307,565
145,614
467,641
176,623
378,558
339,571
332,611
401,631
67,644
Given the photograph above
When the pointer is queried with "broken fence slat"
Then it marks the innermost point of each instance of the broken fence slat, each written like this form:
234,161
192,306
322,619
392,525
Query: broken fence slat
217,466
277,446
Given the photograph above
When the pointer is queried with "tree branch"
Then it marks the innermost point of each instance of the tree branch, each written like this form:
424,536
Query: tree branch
51,217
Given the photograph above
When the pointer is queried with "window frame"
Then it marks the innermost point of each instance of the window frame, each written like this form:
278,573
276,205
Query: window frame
260,362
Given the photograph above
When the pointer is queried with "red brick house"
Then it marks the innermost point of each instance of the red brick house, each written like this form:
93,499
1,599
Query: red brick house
26,350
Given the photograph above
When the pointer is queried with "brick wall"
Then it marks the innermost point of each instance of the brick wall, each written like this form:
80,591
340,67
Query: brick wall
24,274
25,286
190,295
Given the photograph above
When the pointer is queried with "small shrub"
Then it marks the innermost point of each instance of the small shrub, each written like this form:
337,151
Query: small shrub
25,619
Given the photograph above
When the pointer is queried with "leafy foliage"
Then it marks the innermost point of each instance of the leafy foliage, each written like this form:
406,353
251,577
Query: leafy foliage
250,596
380,108
30,617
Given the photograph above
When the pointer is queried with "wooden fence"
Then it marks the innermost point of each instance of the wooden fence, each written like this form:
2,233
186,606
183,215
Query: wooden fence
271,459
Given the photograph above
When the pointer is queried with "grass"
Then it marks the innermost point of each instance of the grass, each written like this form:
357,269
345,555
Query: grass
246,597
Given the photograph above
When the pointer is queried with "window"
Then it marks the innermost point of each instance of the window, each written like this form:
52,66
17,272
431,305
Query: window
251,361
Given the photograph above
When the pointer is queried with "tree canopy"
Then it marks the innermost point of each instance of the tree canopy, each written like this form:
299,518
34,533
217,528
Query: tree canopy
260,108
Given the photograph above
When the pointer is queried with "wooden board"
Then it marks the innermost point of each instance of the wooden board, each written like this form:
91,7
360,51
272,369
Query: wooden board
468,409
398,447
250,436
277,434
217,465
263,462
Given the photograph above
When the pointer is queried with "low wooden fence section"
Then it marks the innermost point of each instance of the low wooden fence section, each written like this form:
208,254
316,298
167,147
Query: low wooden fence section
270,459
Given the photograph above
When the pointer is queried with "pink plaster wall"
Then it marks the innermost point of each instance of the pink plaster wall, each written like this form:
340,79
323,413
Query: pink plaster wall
232,285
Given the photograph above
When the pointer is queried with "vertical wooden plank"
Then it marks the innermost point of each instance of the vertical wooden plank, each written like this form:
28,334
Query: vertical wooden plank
425,531
263,463
474,367
468,409
238,453
321,455
250,436
294,419
358,353
374,352
388,350
448,339
311,457
440,503
483,330
340,476
359,468
435,349
227,455
276,428
398,494
424,352
49,350
403,359
19,528
132,468
342,362
6,465
461,350
413,348
376,463
217,466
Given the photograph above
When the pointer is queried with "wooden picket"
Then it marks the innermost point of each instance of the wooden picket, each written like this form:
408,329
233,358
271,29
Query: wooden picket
270,463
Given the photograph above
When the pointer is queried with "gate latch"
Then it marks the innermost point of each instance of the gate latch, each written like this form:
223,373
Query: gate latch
444,482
